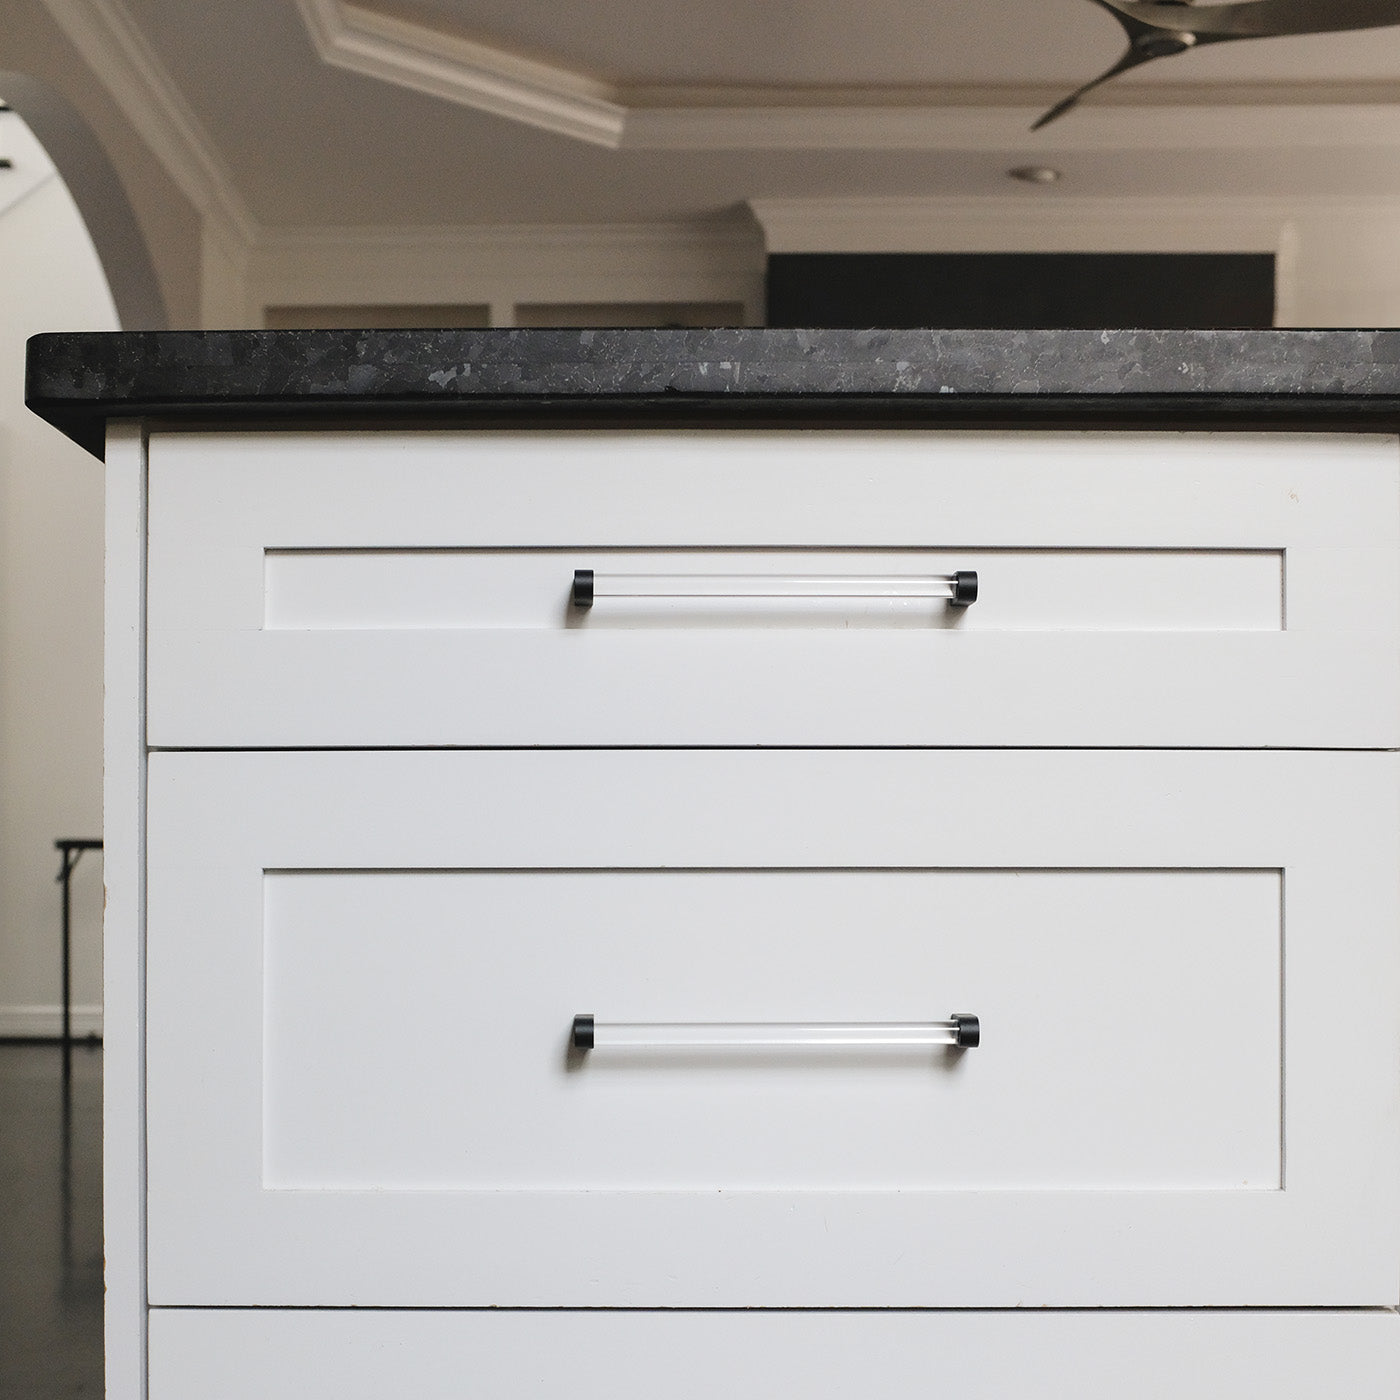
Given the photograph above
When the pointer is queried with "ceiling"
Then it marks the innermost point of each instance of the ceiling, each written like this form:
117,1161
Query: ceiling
450,112
879,43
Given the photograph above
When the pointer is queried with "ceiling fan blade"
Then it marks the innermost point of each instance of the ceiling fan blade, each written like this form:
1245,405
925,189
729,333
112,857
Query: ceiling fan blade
1132,59
1255,19
1161,28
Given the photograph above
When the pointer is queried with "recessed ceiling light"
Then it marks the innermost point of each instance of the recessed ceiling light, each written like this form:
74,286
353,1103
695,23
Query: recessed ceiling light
1035,174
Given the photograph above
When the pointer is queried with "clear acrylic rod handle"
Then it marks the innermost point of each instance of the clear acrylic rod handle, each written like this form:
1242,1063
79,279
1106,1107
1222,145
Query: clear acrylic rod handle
959,588
961,1029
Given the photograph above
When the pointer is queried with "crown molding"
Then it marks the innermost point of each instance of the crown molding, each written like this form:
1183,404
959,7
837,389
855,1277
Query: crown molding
686,234
108,39
458,69
1034,97
1288,126
358,37
1032,222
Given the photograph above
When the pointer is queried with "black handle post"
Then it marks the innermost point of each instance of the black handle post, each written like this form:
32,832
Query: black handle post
583,588
965,587
969,1030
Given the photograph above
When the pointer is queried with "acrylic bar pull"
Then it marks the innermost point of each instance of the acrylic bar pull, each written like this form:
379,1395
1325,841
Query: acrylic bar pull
962,1030
959,588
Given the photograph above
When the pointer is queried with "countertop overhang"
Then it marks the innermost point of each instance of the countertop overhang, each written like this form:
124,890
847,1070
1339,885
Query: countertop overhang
80,382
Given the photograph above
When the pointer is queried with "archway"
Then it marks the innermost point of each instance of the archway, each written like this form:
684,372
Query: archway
102,201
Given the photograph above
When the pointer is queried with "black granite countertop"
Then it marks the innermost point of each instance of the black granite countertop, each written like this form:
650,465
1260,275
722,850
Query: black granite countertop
79,382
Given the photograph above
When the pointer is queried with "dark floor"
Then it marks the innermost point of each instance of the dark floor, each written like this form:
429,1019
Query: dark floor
50,1223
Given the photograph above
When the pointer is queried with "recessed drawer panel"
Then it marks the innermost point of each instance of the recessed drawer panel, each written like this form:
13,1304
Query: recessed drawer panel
789,588
369,1081
330,1355
1061,965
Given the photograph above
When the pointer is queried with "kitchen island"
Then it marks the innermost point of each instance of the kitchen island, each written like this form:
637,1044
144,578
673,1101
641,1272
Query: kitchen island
760,863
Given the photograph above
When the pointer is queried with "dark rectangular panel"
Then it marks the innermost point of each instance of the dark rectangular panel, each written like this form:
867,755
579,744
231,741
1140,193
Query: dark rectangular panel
1009,291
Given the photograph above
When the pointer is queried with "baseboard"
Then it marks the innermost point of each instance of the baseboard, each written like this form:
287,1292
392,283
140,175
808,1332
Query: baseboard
46,1022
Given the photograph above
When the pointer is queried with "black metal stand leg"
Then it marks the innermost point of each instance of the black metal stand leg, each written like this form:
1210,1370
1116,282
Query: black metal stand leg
66,875
65,1168
71,850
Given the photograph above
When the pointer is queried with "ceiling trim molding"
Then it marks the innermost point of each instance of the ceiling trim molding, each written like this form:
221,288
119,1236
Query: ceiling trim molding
730,233
110,42
1027,224
462,70
1288,126
360,38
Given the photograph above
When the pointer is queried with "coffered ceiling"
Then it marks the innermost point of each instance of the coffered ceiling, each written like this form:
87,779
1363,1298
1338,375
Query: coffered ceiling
877,44
328,112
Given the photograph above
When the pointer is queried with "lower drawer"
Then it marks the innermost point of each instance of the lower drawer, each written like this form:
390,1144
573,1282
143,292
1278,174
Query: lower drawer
363,969
329,1355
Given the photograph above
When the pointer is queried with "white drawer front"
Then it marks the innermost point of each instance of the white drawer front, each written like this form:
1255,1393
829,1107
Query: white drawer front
394,590
328,1355
363,969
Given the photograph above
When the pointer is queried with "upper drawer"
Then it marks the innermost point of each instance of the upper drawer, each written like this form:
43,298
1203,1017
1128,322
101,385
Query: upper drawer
415,589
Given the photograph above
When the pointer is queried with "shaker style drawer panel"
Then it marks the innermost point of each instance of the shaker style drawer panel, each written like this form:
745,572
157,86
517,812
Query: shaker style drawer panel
670,1029
783,588
346,1355
784,946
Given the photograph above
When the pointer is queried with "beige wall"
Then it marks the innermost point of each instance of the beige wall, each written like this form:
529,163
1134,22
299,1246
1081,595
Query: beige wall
50,626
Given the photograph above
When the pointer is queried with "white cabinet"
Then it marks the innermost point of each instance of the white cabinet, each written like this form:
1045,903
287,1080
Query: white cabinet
407,812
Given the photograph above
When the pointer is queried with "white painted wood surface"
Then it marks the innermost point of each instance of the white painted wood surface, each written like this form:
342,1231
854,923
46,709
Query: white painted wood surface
362,965
415,1028
331,1355
302,590
1046,590
123,964
226,987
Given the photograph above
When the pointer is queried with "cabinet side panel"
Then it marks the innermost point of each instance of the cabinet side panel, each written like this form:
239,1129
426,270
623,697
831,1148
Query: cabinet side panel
123,802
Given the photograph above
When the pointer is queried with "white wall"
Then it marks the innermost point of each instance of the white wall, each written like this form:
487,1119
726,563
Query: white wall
1337,263
50,617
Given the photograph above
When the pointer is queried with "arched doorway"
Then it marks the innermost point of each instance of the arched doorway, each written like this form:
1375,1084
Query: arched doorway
101,200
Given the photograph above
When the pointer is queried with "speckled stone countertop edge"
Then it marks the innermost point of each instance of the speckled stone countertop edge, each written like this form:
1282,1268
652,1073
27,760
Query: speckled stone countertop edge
79,381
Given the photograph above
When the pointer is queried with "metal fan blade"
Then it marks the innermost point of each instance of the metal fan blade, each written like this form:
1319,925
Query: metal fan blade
1256,19
1161,28
1132,59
